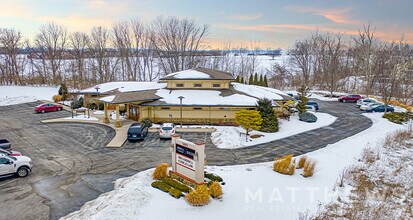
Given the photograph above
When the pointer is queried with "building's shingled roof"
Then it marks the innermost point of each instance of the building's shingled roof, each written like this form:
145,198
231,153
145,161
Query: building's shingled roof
213,75
137,96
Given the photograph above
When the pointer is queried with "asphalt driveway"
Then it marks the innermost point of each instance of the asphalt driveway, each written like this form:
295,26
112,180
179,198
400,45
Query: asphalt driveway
73,166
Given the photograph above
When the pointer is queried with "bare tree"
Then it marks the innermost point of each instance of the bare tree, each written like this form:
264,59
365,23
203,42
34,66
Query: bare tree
79,42
281,77
12,65
52,41
365,47
105,65
329,60
392,66
177,42
302,58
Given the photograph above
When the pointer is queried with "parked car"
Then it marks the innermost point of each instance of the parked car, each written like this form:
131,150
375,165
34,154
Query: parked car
11,153
43,108
315,104
311,108
5,144
137,131
361,102
369,106
381,108
167,130
18,165
349,98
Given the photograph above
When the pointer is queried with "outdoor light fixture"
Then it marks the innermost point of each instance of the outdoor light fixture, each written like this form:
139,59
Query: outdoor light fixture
180,101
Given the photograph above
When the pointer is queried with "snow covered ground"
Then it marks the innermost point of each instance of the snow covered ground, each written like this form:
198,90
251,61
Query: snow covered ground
83,117
251,191
230,138
12,95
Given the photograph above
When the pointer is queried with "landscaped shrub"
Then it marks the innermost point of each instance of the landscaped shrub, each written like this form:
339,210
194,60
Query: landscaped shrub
63,91
199,196
213,177
307,117
161,185
176,193
77,104
215,190
397,117
269,118
177,185
147,122
309,168
161,171
284,165
301,162
57,98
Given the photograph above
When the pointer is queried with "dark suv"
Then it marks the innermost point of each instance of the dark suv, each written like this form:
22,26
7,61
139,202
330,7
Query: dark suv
137,131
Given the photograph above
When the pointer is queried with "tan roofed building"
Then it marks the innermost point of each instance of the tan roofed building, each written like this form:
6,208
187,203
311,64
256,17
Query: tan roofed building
204,96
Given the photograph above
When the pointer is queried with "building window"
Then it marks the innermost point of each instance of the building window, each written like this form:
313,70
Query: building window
198,85
165,108
179,85
197,108
216,85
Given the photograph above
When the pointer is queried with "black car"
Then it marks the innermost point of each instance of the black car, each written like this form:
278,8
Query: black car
315,104
137,131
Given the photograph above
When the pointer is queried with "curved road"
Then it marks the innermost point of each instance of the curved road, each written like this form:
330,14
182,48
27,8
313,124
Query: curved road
72,165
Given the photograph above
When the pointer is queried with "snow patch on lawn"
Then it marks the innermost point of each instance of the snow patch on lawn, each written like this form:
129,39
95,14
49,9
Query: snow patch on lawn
13,95
98,112
252,191
82,117
230,138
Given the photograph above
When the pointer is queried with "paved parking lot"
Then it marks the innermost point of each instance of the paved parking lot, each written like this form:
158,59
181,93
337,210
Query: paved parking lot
72,165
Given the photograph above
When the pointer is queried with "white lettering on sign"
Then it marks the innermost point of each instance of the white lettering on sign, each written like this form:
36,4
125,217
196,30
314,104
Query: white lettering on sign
185,162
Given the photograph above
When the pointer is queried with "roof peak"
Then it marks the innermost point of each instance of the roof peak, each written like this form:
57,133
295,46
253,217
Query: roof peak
199,73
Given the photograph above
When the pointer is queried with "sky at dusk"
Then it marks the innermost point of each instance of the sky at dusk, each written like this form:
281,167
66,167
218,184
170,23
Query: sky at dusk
269,23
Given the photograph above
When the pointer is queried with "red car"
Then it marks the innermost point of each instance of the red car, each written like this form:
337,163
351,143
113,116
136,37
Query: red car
349,98
48,108
10,153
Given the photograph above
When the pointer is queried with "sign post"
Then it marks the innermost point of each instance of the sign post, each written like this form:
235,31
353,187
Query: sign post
188,159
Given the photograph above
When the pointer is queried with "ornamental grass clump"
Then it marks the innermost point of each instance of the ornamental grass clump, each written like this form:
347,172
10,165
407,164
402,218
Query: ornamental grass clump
161,171
285,165
215,190
301,162
309,168
199,196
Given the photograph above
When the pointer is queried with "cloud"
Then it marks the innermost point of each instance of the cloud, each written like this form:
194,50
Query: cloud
246,17
385,33
339,16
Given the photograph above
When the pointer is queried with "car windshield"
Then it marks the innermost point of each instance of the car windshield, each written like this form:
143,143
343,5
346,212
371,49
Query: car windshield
11,158
166,128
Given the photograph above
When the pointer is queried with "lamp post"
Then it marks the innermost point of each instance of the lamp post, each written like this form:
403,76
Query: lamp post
180,101
97,94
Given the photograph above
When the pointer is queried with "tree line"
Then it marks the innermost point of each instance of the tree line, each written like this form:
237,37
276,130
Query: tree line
129,50
363,64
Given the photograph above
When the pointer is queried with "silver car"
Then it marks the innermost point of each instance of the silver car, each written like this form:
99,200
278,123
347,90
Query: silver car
369,106
167,130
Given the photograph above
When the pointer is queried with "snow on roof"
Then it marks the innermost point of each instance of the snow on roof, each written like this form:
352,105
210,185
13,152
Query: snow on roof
260,92
204,98
189,74
123,87
107,98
